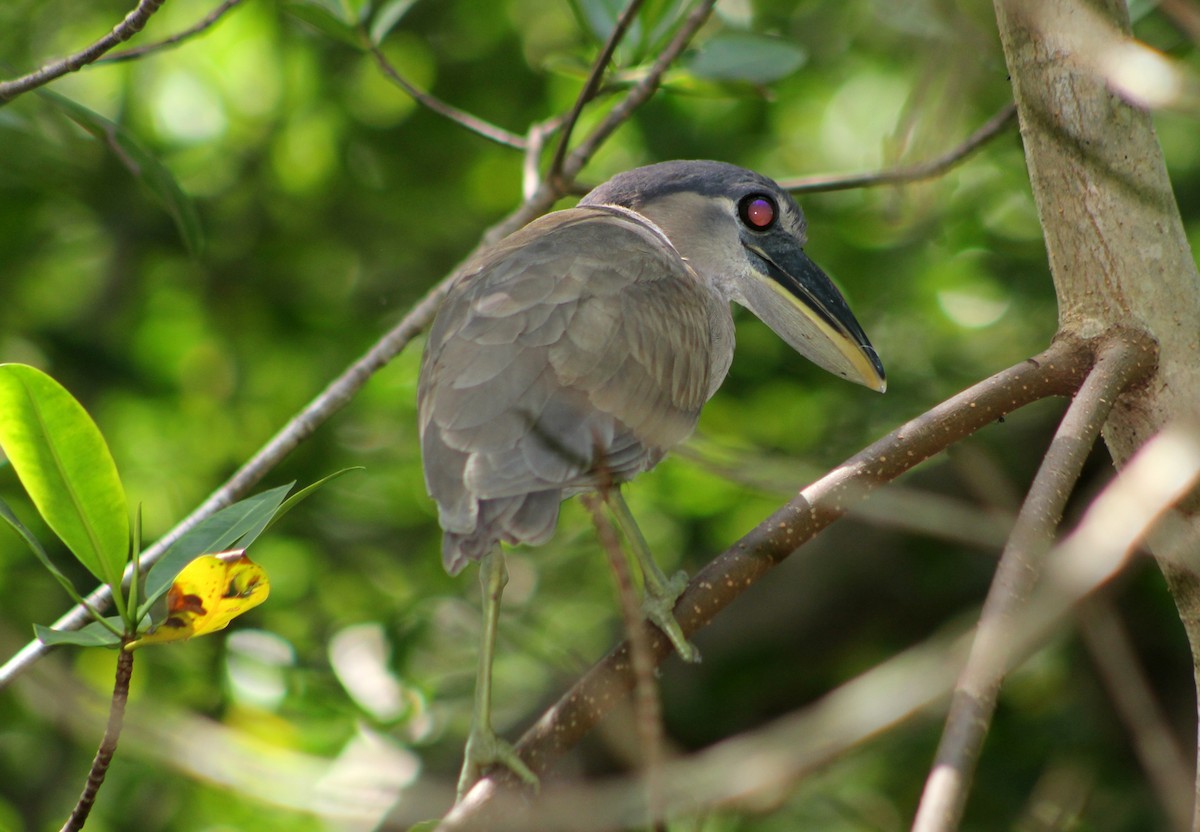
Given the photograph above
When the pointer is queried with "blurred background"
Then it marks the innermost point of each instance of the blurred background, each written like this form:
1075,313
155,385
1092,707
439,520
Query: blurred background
287,205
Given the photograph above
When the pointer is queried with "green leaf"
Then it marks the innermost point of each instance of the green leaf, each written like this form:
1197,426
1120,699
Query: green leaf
144,166
66,467
389,14
290,502
327,17
746,57
215,534
7,514
601,17
91,635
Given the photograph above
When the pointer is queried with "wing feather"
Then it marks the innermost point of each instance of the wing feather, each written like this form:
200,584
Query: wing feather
582,341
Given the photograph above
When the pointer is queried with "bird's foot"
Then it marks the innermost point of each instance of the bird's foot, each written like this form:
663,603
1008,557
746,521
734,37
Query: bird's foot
659,608
484,748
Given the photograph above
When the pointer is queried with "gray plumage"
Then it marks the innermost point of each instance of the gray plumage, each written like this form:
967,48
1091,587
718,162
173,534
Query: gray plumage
580,349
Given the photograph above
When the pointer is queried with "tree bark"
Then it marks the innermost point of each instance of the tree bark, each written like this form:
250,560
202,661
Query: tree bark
1115,240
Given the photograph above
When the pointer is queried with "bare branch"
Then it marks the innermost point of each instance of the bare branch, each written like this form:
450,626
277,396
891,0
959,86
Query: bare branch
1122,362
108,744
774,757
123,31
1113,654
535,143
461,117
639,94
1184,14
199,28
591,86
1057,371
993,127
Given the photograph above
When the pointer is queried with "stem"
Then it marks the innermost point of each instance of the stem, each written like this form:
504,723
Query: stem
198,28
123,31
993,127
591,86
108,744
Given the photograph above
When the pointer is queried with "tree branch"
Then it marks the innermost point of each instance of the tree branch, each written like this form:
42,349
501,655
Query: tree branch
1113,653
108,744
123,31
1116,243
1057,371
588,92
991,128
461,117
773,758
550,191
1122,361
639,94
199,28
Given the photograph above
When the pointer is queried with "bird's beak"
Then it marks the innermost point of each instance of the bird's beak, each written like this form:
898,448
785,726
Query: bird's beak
799,302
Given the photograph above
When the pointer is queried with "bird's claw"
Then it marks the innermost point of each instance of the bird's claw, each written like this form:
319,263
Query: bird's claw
484,748
659,609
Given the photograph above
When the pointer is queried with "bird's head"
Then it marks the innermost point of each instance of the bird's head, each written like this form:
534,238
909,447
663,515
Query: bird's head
745,235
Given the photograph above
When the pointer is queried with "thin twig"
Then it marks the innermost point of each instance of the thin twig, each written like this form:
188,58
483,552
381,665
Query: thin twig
639,94
535,143
1057,371
590,87
108,744
1113,654
200,27
461,117
1121,362
123,31
549,191
1184,14
993,127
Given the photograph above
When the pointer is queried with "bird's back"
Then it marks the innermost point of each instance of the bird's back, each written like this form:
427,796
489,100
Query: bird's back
574,352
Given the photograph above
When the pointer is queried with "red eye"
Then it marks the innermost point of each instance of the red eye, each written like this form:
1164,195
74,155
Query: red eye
758,212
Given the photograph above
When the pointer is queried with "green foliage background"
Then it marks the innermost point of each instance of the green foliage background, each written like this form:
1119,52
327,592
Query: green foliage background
326,203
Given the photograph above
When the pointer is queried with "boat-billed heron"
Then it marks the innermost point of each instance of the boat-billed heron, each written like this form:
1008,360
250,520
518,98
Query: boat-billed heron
573,354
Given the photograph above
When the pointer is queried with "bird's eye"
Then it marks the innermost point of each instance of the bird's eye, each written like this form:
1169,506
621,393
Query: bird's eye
758,211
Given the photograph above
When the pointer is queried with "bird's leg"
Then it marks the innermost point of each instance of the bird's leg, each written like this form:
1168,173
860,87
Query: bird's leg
661,592
483,746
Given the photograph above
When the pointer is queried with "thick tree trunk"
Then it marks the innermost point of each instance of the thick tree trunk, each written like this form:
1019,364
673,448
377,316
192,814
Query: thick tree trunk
1115,240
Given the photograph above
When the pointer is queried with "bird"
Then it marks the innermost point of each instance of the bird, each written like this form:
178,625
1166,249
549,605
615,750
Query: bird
572,355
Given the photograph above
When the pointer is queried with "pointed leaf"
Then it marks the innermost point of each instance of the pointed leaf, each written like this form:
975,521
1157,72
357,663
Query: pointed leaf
221,531
7,514
143,164
65,466
389,14
746,57
290,502
208,593
601,17
92,635
327,17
